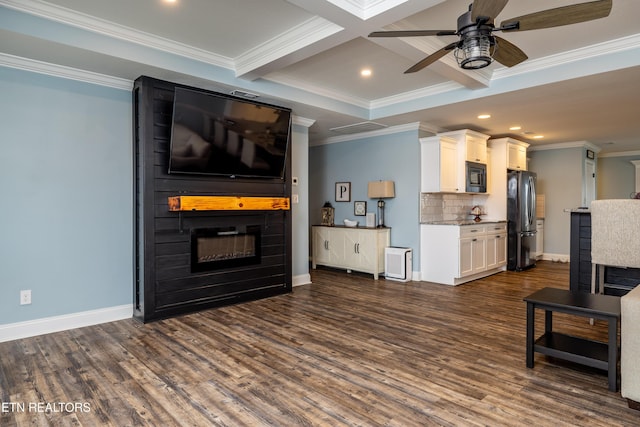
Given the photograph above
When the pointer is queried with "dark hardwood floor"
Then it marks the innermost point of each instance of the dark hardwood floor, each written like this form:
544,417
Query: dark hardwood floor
346,350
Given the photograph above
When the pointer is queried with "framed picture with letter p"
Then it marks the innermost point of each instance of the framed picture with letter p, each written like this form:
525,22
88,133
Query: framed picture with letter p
343,191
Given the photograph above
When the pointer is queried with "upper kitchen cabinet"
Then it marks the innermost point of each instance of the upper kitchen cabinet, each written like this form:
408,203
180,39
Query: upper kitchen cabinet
517,155
443,159
508,153
472,145
505,153
439,164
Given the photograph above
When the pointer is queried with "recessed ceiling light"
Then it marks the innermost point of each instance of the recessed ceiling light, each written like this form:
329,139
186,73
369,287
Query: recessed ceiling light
484,116
515,128
365,72
538,137
170,1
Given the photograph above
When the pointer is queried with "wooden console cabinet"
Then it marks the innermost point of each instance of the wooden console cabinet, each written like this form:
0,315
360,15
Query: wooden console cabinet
359,249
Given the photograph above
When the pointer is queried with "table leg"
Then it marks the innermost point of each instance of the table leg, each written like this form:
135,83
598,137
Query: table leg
613,354
530,331
548,321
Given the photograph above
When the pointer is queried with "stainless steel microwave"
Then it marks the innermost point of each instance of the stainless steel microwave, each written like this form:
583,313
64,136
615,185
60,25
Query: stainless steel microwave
476,177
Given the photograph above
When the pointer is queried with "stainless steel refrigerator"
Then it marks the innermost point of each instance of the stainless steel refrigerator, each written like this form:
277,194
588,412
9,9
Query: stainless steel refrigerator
521,220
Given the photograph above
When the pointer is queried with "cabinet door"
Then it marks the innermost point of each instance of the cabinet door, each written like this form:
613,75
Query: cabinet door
496,250
448,167
328,246
473,255
539,238
517,157
466,259
363,250
320,246
478,254
476,150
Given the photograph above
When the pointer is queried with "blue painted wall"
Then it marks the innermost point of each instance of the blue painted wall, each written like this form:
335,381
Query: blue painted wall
616,177
65,221
393,157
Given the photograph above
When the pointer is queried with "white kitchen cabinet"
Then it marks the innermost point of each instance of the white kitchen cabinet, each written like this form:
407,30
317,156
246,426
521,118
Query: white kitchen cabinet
539,238
455,254
359,249
496,245
476,149
472,145
443,159
501,150
517,156
439,165
473,250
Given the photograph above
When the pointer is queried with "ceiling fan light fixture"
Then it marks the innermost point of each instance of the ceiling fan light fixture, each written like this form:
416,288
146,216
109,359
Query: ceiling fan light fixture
475,52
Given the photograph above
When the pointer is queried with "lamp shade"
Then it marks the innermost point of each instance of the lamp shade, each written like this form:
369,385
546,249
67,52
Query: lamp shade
381,189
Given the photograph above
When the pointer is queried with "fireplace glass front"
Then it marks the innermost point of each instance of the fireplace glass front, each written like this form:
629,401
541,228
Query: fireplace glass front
225,247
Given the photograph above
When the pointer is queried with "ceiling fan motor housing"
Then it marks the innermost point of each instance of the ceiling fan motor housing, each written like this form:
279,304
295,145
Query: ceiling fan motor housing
476,42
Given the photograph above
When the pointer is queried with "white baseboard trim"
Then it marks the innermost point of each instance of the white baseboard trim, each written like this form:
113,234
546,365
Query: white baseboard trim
47,325
555,257
301,279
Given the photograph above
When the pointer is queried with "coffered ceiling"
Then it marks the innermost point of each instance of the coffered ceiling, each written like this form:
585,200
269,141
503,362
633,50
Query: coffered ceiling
581,82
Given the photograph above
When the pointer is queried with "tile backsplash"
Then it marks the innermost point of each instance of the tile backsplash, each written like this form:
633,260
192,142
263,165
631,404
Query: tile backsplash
446,207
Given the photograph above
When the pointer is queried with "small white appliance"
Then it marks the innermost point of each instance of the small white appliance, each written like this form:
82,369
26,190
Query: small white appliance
397,263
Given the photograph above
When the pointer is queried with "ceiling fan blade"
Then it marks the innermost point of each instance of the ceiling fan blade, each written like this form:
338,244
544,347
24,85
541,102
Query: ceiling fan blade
487,8
559,16
432,58
507,53
413,33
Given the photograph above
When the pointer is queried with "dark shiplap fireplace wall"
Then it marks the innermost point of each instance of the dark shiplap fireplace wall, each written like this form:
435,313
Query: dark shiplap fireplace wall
165,282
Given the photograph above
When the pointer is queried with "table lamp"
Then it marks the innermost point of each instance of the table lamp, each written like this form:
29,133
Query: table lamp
381,190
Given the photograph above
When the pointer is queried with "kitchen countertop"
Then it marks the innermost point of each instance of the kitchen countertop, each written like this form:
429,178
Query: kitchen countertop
464,222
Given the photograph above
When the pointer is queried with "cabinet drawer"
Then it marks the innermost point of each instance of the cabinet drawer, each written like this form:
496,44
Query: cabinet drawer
496,228
472,230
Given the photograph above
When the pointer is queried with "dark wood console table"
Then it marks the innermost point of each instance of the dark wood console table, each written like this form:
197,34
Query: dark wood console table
596,354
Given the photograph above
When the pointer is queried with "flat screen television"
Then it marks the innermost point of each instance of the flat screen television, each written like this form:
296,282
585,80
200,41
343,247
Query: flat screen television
217,134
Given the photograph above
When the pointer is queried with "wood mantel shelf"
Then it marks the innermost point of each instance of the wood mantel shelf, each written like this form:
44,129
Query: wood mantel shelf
222,203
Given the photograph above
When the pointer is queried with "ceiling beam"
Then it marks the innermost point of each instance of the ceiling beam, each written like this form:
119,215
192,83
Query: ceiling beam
328,30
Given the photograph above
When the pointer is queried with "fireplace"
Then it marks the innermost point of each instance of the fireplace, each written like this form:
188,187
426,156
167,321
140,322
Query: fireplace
224,247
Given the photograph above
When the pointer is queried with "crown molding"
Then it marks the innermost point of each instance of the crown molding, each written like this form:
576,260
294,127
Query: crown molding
581,54
370,134
64,72
413,95
297,38
302,121
564,145
285,80
89,23
622,154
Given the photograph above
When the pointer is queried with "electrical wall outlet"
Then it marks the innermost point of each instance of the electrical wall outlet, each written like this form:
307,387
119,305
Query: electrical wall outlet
25,297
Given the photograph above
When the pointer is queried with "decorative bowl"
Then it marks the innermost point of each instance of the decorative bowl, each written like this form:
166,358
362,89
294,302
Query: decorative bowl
350,223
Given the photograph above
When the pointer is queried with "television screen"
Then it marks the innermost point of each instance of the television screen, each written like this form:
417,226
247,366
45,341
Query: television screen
216,134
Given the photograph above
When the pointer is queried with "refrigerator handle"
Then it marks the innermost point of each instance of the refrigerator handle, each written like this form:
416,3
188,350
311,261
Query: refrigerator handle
532,199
